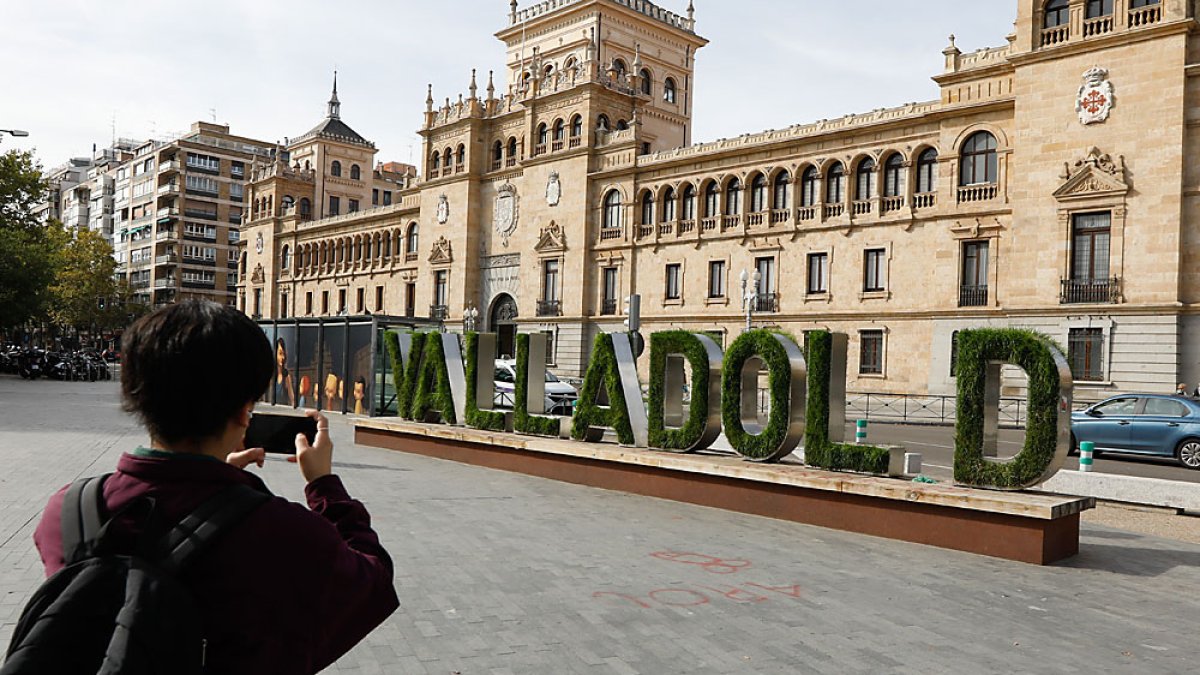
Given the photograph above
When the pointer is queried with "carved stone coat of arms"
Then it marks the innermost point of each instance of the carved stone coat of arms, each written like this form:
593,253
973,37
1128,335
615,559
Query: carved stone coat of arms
504,215
1095,99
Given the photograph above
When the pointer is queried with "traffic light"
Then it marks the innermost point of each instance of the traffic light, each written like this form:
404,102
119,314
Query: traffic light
100,303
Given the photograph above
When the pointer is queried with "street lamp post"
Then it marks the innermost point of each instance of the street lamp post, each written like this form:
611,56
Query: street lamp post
749,295
470,319
15,133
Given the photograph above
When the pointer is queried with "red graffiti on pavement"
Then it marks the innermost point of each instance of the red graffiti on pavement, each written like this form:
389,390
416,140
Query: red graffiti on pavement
696,596
707,563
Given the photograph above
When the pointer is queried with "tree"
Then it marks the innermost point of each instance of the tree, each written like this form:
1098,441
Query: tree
26,246
83,286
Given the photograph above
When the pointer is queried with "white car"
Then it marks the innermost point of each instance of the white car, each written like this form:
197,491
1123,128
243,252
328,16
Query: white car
560,396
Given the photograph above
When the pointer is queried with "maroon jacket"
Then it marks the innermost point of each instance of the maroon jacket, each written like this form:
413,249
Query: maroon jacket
288,591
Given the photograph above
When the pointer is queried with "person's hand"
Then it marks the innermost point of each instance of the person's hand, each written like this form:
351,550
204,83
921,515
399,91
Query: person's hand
316,460
244,458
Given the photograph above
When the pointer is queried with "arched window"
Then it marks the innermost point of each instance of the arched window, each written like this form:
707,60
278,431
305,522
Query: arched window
243,264
285,258
543,134
355,172
619,66
1057,13
549,71
436,160
733,198
288,202
712,199
305,207
864,179
647,208
367,248
387,244
1099,8
668,206
498,152
335,169
576,126
612,209
622,125
414,239
893,175
808,187
647,83
560,129
758,193
448,158
512,147
927,171
669,90
689,202
570,64
835,184
462,155
978,159
602,123
779,200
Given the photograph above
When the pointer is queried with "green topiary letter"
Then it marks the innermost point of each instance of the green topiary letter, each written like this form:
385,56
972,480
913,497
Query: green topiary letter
739,384
481,418
594,414
669,351
431,397
1048,429
538,425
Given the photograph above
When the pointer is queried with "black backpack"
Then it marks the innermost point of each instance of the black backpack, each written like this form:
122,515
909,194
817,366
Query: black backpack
111,612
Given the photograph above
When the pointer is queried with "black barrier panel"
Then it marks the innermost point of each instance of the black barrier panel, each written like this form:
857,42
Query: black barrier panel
358,375
306,365
332,390
269,331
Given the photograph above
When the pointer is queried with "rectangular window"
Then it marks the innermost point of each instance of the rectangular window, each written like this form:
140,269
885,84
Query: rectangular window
440,283
258,302
410,299
341,301
1085,352
973,290
550,358
308,303
673,290
550,280
716,279
818,273
375,197
335,206
1090,239
387,197
874,278
870,357
353,207
325,303
203,162
283,306
360,301
766,275
378,299
609,287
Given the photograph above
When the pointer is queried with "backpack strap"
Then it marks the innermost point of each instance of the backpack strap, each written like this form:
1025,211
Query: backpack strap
200,528
83,511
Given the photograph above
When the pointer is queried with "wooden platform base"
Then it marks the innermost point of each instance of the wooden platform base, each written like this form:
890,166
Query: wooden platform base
1027,527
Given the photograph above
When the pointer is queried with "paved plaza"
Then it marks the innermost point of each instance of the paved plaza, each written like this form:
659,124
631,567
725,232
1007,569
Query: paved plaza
504,573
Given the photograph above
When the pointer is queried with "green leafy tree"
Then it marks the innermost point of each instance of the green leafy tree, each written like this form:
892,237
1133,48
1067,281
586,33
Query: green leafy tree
84,292
27,253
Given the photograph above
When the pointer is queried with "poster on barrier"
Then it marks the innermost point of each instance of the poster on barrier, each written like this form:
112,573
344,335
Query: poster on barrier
359,376
307,338
283,386
332,387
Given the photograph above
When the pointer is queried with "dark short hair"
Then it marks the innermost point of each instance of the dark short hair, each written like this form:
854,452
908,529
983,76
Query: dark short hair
188,367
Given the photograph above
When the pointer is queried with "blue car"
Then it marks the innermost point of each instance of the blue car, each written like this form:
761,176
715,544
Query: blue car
1142,424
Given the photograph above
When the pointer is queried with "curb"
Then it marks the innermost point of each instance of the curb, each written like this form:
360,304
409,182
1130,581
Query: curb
1181,496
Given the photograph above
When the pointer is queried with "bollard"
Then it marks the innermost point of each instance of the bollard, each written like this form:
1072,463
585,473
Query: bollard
860,432
1085,455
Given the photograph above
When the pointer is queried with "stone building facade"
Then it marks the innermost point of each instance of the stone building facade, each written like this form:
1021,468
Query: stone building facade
1048,187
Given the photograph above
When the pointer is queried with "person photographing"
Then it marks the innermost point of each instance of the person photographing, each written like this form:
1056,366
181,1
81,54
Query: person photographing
255,583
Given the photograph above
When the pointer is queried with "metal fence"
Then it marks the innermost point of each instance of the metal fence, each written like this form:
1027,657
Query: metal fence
912,408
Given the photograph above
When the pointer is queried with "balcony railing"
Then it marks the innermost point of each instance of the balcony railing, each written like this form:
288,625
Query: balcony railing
687,226
892,204
201,215
972,296
539,149
977,193
410,257
166,259
608,307
1098,26
708,224
805,213
925,200
165,282
645,231
862,207
755,219
1083,291
439,312
1055,35
496,164
730,222
665,229
780,216
556,146
766,303
575,141
1144,16
549,308
834,210
609,233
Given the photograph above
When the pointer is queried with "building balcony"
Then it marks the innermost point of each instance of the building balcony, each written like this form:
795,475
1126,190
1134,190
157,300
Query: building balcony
165,215
575,142
138,284
165,282
207,194
834,210
891,204
645,231
1144,16
496,164
862,207
167,259
168,189
780,216
171,166
201,215
1098,26
410,257
196,236
925,200
439,312
608,307
984,192
200,262
611,233
549,308
709,224
766,303
199,283
204,168
1093,291
168,233
972,296
806,213
1056,35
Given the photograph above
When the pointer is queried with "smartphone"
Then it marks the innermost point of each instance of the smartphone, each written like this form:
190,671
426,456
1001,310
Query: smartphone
277,433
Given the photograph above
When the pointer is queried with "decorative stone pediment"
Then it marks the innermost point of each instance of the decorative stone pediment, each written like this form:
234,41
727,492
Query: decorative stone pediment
1095,175
976,228
551,239
258,276
441,252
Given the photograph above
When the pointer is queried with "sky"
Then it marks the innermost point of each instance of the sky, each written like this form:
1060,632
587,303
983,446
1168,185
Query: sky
78,72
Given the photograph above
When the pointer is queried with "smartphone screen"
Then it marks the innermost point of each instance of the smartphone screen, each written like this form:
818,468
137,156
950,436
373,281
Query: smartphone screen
277,433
